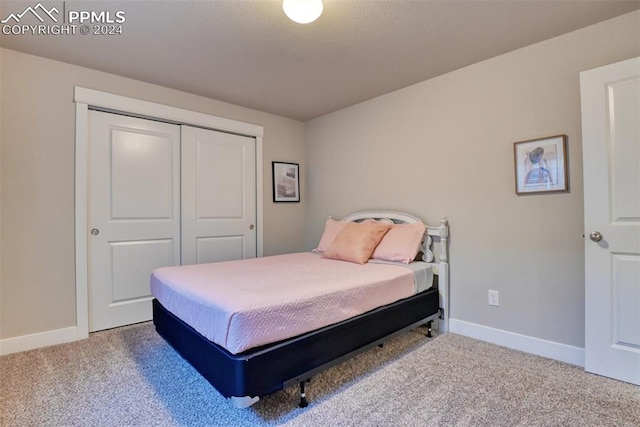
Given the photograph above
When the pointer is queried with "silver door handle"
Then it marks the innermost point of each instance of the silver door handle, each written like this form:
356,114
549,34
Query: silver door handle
595,236
251,227
94,231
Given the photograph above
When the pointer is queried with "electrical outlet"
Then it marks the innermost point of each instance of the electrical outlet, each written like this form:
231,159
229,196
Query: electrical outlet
494,298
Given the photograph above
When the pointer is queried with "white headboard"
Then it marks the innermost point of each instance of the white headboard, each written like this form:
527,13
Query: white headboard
434,235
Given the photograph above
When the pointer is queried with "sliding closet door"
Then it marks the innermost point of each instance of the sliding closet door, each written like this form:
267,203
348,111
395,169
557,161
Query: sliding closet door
133,214
218,196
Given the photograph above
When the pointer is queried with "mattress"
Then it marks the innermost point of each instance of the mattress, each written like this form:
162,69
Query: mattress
244,304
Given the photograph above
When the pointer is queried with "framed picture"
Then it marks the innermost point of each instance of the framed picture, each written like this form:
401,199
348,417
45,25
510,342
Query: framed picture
286,182
541,165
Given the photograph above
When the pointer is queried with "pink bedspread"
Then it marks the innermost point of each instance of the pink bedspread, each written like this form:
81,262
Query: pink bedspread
244,304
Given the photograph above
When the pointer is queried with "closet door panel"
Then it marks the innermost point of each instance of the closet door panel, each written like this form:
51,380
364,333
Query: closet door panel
142,175
220,180
218,196
133,214
223,248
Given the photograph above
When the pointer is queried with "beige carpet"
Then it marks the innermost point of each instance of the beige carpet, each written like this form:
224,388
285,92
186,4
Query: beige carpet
130,376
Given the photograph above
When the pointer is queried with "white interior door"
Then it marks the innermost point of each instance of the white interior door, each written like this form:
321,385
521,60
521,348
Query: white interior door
133,214
611,150
218,196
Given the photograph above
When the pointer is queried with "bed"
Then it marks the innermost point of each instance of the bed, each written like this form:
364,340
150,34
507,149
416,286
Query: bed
254,327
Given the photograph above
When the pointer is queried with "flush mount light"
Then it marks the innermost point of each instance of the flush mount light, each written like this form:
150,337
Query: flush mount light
302,11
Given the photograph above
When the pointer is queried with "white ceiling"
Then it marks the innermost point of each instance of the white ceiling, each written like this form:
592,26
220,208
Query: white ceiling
248,53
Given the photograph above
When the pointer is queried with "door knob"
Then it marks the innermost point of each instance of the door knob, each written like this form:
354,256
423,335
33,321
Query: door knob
595,236
251,227
95,231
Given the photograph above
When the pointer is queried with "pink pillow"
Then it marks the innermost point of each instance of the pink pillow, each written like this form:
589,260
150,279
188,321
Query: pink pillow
331,230
356,241
401,243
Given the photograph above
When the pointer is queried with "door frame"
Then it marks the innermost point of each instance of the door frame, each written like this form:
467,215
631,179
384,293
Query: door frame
86,99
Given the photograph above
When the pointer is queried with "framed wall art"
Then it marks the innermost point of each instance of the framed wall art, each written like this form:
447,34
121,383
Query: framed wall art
286,182
541,165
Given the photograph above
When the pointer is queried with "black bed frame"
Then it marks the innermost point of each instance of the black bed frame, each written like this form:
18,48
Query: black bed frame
247,376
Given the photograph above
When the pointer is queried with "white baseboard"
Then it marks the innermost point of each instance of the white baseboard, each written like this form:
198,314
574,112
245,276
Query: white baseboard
42,339
552,350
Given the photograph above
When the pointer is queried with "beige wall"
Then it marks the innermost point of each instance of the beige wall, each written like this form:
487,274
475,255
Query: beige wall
445,147
37,281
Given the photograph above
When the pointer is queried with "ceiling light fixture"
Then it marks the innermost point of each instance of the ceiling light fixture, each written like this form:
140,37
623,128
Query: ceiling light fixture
302,11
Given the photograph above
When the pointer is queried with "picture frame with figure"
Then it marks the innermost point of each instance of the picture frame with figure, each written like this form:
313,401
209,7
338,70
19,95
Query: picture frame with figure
541,165
286,182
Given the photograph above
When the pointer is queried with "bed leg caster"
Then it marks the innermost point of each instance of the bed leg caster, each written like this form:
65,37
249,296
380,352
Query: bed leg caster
303,396
429,329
